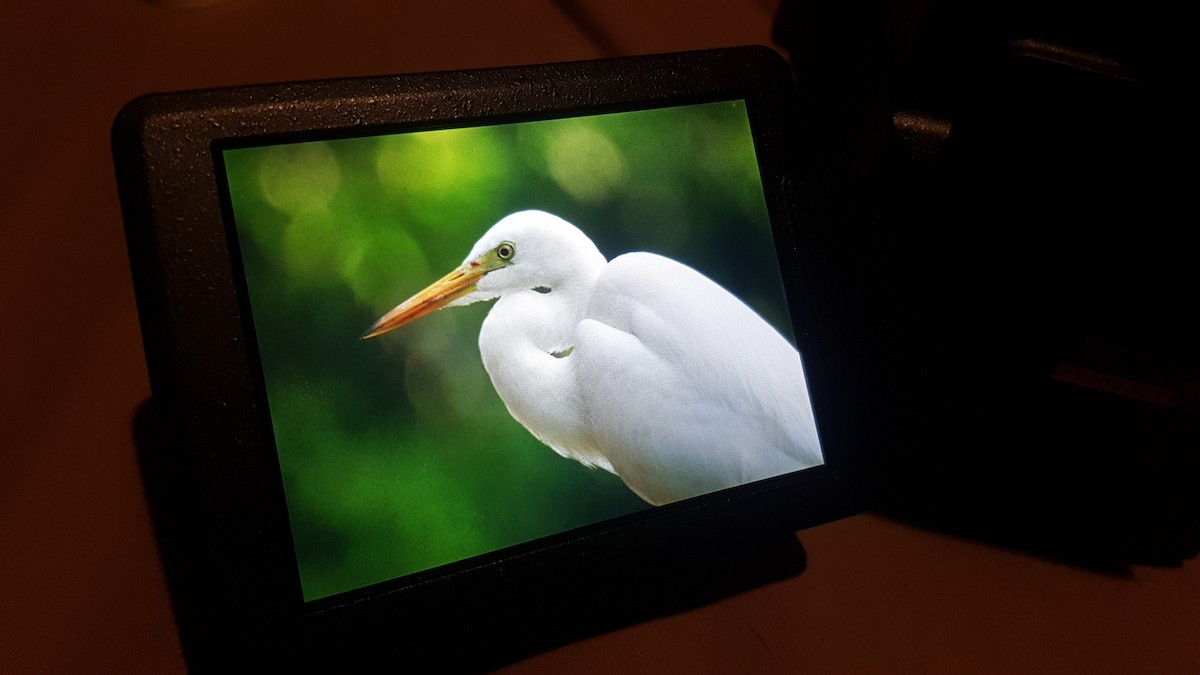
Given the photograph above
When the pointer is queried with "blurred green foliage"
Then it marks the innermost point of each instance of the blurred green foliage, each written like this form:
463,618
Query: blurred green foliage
397,454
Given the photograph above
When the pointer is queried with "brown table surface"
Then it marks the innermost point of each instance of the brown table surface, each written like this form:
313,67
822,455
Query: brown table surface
81,587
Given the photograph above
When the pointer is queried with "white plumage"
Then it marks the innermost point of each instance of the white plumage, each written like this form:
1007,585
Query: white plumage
641,365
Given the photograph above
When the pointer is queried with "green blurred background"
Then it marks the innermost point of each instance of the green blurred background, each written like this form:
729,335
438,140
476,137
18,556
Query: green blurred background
397,454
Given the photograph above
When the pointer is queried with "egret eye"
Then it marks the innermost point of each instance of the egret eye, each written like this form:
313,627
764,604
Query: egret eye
506,250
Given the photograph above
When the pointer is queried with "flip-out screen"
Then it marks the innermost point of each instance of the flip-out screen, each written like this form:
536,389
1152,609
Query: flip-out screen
471,338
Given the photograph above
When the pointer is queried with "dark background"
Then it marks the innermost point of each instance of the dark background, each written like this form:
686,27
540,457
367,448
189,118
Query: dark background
1007,198
1106,586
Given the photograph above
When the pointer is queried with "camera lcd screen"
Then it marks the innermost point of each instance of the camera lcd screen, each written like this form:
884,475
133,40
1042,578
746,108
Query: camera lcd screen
535,388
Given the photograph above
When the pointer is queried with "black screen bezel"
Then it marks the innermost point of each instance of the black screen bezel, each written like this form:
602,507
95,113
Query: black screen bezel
228,551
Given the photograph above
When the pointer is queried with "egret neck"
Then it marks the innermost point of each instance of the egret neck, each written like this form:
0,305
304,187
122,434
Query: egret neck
527,343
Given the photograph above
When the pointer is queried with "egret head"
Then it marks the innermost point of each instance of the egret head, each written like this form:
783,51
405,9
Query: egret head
527,251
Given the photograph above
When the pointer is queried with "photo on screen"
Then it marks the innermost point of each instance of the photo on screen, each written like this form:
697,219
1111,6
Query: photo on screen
401,453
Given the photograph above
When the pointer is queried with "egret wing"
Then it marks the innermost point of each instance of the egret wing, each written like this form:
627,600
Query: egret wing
687,389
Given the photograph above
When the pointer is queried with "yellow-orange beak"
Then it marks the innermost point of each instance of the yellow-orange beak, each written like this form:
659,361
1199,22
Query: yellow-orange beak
440,293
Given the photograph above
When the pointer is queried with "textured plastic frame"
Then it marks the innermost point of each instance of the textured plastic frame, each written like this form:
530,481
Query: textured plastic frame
213,480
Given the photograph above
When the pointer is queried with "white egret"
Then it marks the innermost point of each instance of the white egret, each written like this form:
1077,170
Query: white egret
640,366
